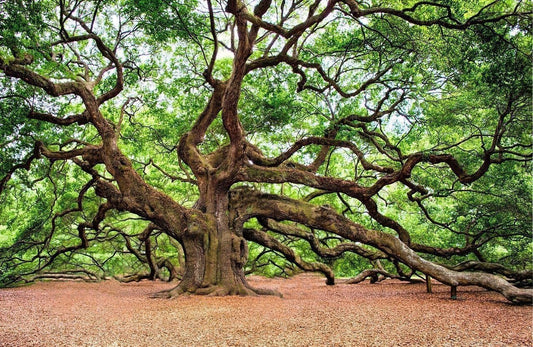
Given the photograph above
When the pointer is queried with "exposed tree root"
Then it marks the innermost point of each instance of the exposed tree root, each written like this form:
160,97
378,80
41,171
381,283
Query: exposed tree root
214,290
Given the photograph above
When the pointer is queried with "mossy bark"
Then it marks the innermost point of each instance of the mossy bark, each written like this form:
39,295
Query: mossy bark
215,253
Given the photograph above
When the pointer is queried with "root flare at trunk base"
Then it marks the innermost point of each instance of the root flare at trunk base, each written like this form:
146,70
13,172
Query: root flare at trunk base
215,290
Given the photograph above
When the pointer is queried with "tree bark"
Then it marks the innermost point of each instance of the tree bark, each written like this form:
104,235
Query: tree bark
214,266
215,252
254,204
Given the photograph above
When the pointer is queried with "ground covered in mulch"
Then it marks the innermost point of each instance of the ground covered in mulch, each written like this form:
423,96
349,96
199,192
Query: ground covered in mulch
310,314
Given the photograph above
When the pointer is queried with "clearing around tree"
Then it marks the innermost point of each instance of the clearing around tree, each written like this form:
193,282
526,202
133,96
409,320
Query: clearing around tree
388,313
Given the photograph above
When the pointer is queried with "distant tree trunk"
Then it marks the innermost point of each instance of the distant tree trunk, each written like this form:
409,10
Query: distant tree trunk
428,284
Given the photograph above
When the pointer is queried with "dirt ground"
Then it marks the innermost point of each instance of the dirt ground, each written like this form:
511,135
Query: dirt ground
309,314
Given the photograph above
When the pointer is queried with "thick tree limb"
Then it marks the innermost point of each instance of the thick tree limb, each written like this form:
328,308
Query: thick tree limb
262,238
315,244
79,118
377,275
494,268
253,204
12,69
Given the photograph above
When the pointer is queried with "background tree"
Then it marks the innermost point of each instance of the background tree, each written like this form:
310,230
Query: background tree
394,134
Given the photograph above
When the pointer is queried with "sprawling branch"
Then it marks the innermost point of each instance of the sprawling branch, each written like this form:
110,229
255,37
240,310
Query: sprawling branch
494,268
80,119
316,245
296,30
377,275
20,71
297,65
257,158
447,21
262,238
107,53
253,204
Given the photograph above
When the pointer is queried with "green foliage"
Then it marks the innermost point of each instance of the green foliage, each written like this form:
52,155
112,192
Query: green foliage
21,23
450,91
166,21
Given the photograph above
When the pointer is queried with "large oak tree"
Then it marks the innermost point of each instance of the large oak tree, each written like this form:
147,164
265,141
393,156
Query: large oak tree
398,131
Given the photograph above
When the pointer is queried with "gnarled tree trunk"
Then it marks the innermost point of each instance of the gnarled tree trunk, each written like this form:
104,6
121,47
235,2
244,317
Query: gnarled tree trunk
215,252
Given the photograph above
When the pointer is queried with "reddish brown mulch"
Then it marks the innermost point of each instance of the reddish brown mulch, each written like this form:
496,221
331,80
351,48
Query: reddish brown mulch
310,314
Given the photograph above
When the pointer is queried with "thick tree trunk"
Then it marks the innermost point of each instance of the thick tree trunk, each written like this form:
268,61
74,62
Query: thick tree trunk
214,266
214,255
